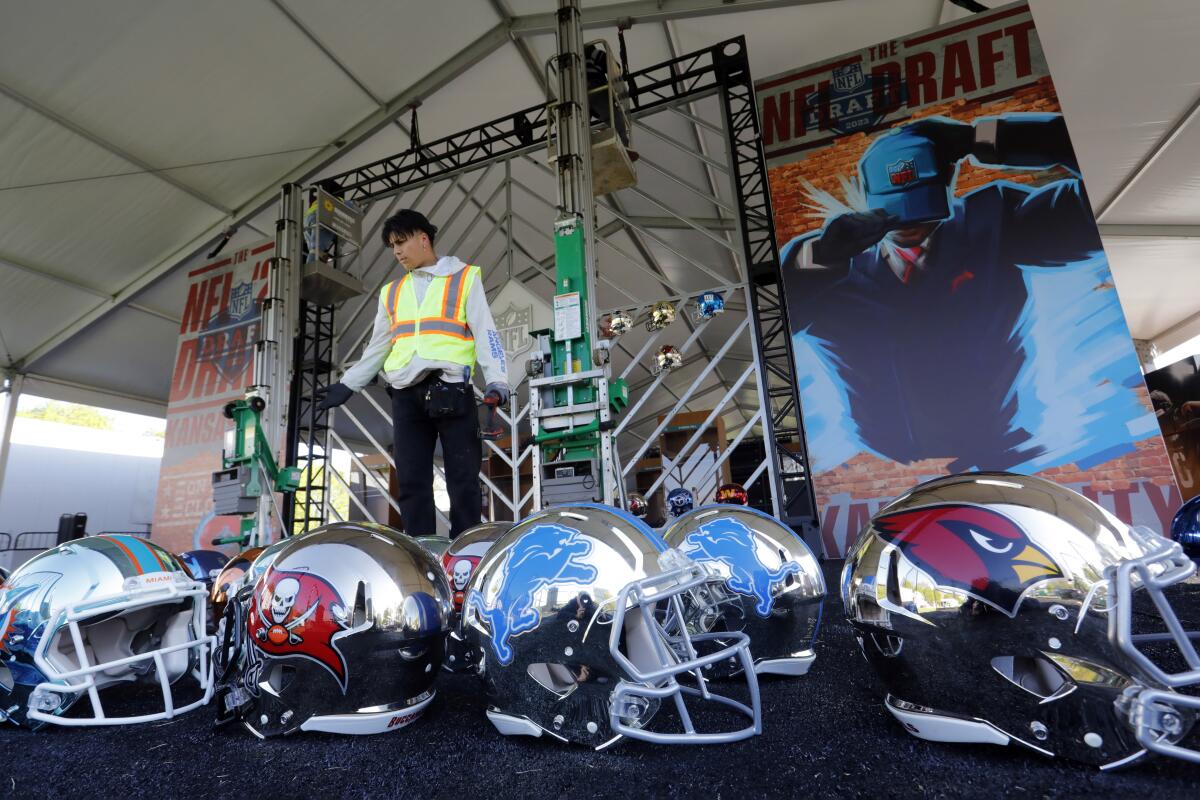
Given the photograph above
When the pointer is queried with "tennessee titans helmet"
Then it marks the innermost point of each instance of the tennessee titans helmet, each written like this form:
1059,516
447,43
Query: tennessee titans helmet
680,501
901,175
204,565
773,583
1007,609
1185,528
579,617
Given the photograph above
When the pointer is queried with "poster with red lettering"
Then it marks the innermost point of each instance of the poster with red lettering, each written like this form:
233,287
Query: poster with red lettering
950,302
214,363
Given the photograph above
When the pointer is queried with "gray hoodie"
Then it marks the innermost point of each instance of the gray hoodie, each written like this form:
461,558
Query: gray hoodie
488,350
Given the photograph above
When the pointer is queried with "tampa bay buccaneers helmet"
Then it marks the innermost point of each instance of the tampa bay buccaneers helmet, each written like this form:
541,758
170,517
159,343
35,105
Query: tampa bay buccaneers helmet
343,633
773,583
99,612
1001,608
460,559
578,616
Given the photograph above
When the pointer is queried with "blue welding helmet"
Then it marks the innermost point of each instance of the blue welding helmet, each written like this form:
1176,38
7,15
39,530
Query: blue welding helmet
901,175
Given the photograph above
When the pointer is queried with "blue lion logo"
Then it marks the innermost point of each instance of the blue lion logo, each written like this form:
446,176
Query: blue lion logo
729,542
546,555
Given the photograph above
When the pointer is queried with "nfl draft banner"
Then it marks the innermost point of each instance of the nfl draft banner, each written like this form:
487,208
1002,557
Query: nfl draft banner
214,364
951,305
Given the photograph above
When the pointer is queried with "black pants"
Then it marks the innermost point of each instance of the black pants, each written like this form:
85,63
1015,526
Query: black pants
415,435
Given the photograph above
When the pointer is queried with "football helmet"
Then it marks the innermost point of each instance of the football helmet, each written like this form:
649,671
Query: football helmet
343,633
99,612
460,560
680,501
615,324
578,616
437,545
732,494
204,565
230,579
1001,608
1185,528
662,314
708,305
667,358
773,583
638,506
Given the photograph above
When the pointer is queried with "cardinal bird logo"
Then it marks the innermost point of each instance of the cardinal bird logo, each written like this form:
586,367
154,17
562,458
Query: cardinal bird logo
971,548
299,614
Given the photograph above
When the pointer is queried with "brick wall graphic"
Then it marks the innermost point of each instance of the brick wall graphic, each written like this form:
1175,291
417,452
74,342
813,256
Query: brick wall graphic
1005,347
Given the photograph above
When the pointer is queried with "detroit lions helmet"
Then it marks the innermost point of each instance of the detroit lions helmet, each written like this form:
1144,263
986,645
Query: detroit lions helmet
98,612
1000,608
343,633
460,560
773,583
579,617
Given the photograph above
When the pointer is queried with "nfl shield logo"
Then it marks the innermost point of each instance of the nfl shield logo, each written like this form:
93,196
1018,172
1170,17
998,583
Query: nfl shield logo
513,325
241,300
848,78
902,172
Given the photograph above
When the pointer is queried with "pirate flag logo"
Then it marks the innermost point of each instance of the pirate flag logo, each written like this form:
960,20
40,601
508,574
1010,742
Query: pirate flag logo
299,614
970,548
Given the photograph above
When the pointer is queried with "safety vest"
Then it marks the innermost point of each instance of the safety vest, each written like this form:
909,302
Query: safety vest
437,330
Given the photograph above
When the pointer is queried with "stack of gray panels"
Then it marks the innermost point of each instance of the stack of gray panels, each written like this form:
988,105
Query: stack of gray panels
229,492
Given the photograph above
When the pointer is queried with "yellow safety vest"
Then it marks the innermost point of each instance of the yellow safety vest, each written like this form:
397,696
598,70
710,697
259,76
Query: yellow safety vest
437,330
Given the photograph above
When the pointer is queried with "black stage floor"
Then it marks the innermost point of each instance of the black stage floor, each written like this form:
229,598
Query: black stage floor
825,735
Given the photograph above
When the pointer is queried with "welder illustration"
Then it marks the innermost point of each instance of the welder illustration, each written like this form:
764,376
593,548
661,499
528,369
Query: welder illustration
916,301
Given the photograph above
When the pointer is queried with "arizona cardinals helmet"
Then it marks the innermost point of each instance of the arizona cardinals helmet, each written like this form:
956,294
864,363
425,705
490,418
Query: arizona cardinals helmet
343,633
773,585
1001,608
578,615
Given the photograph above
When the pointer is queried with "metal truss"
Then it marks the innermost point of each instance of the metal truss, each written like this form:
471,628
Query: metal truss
308,437
463,167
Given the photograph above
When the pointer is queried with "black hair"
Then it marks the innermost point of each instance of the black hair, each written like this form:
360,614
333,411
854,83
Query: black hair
404,224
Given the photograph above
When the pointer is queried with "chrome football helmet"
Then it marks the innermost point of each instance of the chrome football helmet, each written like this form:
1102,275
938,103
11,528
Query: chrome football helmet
579,617
662,314
1001,608
343,633
460,560
99,612
773,583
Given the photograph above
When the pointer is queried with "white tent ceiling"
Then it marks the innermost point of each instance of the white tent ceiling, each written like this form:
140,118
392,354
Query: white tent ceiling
132,132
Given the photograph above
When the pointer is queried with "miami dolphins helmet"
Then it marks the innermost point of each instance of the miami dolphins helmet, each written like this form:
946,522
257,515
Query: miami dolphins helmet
579,615
342,633
1006,609
772,580
98,612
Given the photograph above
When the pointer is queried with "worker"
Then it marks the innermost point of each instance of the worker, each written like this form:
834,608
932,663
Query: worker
432,326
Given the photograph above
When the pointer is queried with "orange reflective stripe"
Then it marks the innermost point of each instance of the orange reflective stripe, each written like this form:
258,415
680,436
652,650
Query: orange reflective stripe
132,558
453,294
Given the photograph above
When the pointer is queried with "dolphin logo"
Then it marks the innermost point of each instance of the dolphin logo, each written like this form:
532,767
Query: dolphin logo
729,542
546,555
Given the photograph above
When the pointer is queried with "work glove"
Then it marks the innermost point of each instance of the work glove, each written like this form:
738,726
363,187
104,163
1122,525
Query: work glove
497,391
333,396
850,234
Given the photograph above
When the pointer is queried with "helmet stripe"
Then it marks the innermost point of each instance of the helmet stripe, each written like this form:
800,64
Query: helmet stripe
128,553
146,555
